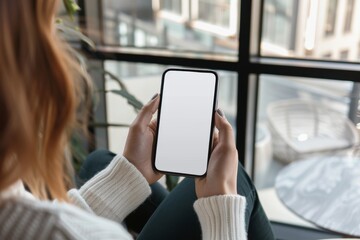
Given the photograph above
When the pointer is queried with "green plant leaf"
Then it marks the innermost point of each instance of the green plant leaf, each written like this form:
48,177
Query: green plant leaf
171,181
71,7
129,97
68,32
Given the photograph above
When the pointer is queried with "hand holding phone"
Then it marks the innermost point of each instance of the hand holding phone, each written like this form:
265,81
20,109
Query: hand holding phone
185,121
139,142
221,178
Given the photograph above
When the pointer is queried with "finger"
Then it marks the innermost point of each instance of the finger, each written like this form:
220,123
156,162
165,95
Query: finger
145,115
215,139
153,125
225,130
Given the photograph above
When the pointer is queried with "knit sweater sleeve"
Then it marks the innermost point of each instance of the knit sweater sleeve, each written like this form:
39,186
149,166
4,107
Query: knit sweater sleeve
222,217
114,192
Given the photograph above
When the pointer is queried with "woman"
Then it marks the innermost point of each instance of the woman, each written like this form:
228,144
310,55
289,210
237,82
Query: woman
38,100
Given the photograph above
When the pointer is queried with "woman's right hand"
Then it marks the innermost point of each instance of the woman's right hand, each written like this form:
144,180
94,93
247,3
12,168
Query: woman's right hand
221,176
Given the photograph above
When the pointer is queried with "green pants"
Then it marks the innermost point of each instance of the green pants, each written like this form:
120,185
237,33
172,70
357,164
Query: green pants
171,215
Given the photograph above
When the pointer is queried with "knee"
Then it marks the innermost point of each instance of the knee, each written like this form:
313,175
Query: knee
99,156
94,163
245,187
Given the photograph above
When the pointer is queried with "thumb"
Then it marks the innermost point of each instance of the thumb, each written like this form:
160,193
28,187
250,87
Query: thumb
224,127
145,115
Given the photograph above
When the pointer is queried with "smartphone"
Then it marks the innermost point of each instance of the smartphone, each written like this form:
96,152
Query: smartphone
185,122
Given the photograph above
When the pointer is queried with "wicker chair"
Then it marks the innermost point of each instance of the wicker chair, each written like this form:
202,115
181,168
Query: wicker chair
302,128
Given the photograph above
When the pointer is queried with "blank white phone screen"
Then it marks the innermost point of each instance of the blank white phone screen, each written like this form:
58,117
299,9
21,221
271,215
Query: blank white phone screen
185,122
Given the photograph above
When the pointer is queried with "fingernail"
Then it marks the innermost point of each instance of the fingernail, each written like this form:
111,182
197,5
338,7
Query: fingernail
156,94
220,112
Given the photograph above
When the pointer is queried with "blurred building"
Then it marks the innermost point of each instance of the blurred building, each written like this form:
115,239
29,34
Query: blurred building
326,29
307,28
312,28
320,29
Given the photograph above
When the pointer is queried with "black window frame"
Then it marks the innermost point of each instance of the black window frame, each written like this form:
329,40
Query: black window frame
249,66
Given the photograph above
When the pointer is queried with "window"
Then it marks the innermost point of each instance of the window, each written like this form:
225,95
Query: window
173,6
308,29
259,89
216,16
278,26
183,27
302,120
293,114
214,12
330,23
349,15
344,55
173,10
143,81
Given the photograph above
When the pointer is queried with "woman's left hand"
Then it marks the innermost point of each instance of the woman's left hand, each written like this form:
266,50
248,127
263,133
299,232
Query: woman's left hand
139,142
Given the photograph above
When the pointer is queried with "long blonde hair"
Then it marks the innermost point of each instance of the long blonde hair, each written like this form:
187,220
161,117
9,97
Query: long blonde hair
37,98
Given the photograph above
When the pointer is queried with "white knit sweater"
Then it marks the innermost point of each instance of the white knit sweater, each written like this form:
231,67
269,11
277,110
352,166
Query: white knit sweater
101,205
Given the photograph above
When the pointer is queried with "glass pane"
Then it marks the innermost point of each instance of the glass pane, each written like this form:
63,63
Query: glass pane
305,129
201,26
315,29
143,81
279,99
215,12
173,6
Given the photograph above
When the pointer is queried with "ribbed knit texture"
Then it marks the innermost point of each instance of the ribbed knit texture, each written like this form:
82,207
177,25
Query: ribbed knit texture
222,217
114,192
36,220
111,195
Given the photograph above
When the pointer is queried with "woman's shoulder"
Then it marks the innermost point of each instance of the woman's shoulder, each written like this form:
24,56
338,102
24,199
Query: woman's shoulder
32,219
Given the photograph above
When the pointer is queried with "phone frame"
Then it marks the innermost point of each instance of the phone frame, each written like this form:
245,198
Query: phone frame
214,106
